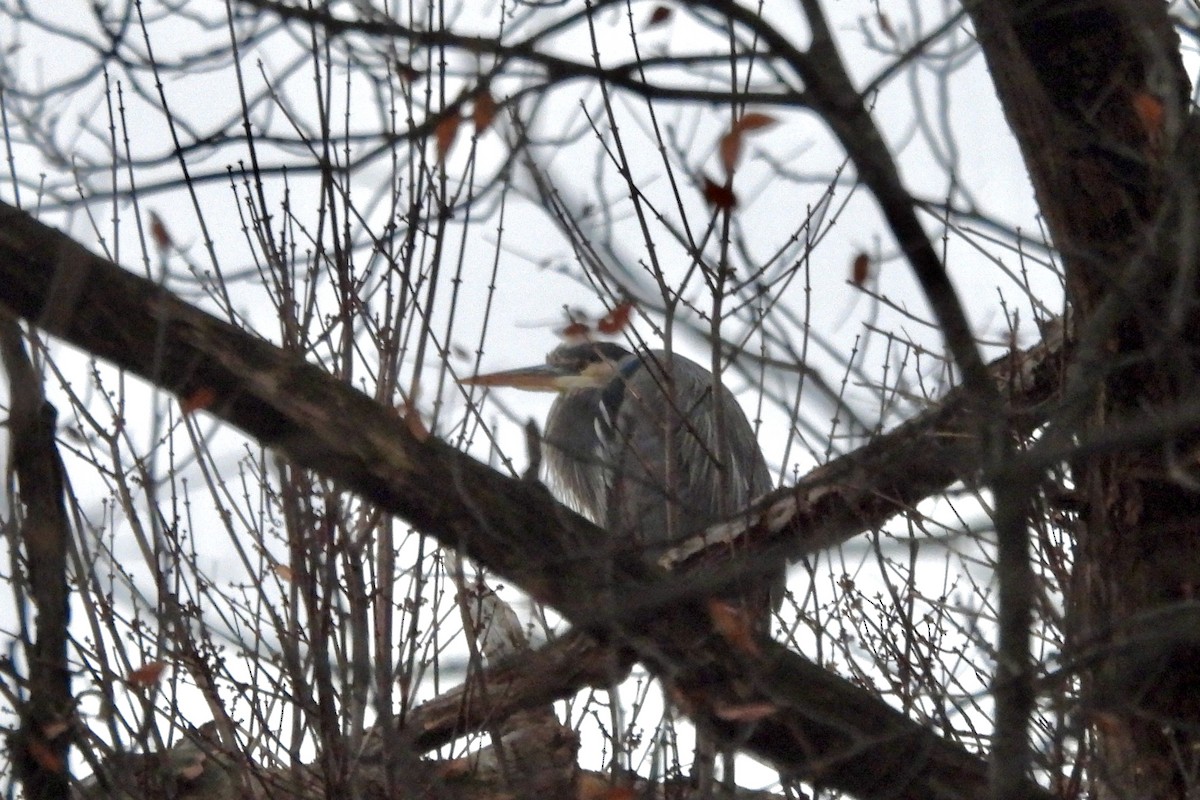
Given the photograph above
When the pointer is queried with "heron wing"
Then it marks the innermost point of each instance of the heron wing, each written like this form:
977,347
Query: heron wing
682,454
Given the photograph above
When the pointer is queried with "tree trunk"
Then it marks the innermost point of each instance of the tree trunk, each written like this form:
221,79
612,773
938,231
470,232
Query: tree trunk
1097,96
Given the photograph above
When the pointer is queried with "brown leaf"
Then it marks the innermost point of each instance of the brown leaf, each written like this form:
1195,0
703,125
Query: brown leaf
594,787
745,712
198,400
484,111
415,425
659,16
735,625
406,72
730,150
754,121
147,674
575,331
885,25
1151,112
160,234
46,758
621,793
590,787
730,147
445,133
860,270
615,320
719,196
284,572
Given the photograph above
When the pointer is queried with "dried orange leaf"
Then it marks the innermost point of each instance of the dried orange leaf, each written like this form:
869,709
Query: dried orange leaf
160,234
735,625
754,121
46,758
746,712
730,150
198,400
594,787
147,675
284,572
445,133
1151,112
615,320
415,425
406,72
575,331
619,793
860,270
718,195
659,16
484,111
590,787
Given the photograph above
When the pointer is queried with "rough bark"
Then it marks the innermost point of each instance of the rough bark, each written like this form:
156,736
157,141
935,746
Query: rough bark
1096,93
41,745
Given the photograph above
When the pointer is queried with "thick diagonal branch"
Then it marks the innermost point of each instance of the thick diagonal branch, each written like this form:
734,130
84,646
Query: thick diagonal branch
808,722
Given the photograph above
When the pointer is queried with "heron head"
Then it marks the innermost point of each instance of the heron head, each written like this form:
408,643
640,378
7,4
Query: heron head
568,367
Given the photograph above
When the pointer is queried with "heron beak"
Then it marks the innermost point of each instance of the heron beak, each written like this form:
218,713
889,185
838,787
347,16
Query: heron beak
542,378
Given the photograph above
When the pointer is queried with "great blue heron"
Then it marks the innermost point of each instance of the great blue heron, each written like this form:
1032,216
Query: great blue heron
637,442
653,450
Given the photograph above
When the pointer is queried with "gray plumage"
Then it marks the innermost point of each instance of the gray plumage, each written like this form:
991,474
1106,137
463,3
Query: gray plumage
651,456
654,450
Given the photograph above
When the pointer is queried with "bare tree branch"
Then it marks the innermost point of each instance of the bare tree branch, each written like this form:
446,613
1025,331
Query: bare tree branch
805,721
42,744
